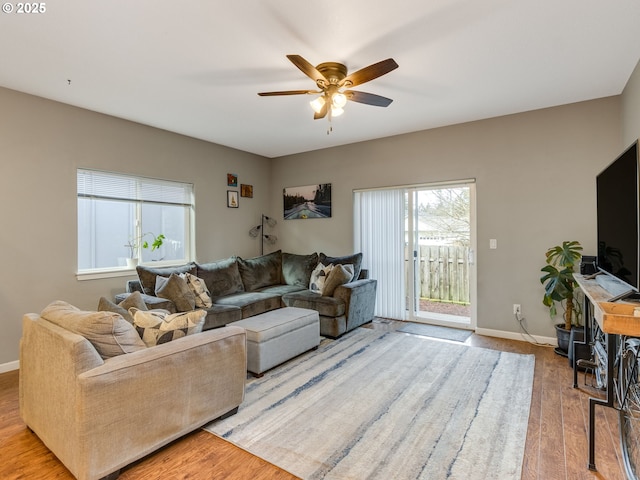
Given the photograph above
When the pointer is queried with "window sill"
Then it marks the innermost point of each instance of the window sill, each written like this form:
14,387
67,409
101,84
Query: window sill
116,272
110,273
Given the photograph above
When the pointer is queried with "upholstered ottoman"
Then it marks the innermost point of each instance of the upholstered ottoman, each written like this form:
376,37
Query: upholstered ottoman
279,335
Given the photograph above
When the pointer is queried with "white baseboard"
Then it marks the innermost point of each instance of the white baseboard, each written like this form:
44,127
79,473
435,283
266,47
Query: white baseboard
516,336
8,367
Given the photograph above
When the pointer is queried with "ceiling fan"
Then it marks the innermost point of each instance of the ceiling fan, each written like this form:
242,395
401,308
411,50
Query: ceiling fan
333,83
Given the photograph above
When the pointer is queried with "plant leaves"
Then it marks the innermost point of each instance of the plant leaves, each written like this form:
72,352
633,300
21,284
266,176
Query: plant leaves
565,255
558,280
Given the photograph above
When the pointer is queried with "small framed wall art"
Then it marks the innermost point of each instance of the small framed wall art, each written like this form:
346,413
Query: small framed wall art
246,190
232,180
232,199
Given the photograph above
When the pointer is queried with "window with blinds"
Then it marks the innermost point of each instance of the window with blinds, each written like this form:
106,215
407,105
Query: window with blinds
114,210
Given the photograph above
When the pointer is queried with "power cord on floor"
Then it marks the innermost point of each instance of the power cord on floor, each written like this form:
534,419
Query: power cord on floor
531,339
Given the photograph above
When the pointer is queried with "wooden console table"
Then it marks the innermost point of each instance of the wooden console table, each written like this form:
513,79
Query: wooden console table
613,320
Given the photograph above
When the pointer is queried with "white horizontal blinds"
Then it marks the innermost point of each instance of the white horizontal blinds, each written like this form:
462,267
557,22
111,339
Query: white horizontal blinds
379,235
112,186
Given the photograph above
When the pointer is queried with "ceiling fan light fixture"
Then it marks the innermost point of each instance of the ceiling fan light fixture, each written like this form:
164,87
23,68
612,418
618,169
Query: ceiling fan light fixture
336,111
339,100
334,86
317,104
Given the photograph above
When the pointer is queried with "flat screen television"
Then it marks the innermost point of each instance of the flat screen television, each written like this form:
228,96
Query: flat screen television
617,221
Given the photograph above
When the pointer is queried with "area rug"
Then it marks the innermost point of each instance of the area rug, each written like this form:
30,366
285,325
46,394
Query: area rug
434,331
383,405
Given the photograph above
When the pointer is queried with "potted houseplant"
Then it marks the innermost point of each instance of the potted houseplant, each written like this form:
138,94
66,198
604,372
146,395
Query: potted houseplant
136,242
559,288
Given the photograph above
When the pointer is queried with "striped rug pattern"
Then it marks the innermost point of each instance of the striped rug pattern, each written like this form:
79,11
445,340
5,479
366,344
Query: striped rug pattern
387,405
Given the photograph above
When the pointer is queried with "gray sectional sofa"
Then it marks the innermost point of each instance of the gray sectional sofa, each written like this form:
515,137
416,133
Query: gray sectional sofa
241,288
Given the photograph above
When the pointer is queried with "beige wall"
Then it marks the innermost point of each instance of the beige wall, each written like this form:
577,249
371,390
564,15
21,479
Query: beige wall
535,176
535,187
42,143
631,108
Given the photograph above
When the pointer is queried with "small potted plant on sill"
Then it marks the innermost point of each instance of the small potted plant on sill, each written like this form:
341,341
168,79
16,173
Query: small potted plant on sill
136,243
559,288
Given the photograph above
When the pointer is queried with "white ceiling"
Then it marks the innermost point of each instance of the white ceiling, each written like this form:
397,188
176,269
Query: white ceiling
195,67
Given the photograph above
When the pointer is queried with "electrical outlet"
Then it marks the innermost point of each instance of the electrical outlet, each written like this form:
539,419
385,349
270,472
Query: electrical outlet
516,309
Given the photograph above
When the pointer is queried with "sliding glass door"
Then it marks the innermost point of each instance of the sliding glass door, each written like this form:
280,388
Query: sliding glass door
439,254
418,243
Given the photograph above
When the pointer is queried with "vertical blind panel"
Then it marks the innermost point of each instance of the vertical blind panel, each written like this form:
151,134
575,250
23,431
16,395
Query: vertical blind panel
380,236
97,184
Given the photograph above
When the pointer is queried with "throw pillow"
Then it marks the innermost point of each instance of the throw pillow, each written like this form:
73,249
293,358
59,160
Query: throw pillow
339,275
319,278
175,288
133,300
296,269
109,333
260,272
200,290
155,327
355,260
222,277
147,275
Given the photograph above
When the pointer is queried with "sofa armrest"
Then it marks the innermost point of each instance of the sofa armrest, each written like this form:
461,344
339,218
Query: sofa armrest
134,286
360,300
51,359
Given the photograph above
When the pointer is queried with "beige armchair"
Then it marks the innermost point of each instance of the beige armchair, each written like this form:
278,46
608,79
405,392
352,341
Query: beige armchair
98,416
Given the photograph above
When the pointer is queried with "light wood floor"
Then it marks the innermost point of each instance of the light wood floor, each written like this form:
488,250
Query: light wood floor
556,445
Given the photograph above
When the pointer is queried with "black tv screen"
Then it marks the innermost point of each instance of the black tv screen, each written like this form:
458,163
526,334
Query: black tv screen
617,197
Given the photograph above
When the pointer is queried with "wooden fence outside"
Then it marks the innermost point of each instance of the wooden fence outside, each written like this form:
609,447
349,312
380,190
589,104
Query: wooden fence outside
444,273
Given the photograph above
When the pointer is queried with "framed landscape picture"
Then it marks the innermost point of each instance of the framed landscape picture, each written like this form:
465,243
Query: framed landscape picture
310,201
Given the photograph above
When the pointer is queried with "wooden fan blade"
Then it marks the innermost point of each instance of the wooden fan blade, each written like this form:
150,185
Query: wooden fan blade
367,98
369,73
322,113
288,92
308,69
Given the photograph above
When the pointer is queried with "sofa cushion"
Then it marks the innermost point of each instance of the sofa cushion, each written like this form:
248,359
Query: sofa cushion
221,315
132,300
155,327
221,277
251,303
175,288
147,275
339,275
355,260
296,269
109,333
281,289
199,288
325,306
319,277
260,272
